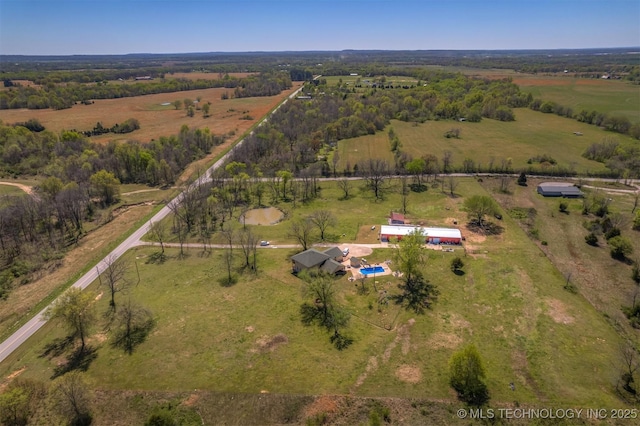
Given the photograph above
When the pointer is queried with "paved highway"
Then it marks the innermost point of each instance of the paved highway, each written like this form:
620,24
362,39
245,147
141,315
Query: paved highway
19,337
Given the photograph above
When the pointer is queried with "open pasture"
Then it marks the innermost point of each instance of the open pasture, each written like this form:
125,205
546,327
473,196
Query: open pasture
366,81
531,134
613,97
604,281
155,119
248,338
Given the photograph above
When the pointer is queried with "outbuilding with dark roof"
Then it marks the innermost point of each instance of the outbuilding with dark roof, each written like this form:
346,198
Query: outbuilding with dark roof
559,189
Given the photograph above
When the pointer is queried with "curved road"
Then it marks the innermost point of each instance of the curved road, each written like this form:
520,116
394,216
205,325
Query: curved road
34,324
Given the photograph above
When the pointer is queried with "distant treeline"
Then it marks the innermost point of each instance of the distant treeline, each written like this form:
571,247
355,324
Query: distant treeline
71,156
58,96
299,135
535,61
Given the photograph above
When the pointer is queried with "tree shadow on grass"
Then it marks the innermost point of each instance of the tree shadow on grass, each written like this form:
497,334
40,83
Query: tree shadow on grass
80,360
459,272
228,281
157,258
57,347
487,228
128,340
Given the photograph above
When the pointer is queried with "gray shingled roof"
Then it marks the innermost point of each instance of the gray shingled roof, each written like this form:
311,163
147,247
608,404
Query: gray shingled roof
333,252
331,266
310,258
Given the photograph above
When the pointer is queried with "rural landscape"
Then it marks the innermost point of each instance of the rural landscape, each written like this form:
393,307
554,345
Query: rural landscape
320,238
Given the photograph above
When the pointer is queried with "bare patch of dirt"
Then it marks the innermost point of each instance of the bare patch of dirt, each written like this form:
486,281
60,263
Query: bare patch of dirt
403,335
442,340
451,334
191,400
10,378
409,374
99,337
270,344
372,365
471,236
558,312
99,296
249,329
326,404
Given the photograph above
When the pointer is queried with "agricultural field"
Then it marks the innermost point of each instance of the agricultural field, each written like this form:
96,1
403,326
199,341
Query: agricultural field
156,119
352,80
213,342
531,134
614,97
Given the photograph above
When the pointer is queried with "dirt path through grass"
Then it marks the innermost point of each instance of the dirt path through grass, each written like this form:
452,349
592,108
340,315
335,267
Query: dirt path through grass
25,188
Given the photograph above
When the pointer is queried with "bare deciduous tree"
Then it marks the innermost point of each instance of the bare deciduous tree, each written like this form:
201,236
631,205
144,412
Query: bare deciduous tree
248,244
453,184
133,323
114,274
302,231
345,185
376,173
70,397
322,219
158,232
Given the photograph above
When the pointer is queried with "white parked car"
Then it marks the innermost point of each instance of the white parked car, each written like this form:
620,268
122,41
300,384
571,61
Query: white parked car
264,243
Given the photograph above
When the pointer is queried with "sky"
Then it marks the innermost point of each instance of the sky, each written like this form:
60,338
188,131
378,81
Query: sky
61,27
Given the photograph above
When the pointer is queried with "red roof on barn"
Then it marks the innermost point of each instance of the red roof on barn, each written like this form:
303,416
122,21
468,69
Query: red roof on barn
397,216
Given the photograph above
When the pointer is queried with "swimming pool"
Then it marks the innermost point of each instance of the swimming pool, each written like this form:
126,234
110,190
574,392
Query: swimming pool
371,270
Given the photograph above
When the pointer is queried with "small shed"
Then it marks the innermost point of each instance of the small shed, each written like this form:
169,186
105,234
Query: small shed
355,262
396,219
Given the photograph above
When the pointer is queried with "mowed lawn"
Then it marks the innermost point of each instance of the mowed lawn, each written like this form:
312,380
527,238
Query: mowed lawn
553,345
533,133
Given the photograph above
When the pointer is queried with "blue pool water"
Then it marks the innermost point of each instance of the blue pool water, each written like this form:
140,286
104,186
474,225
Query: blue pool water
371,270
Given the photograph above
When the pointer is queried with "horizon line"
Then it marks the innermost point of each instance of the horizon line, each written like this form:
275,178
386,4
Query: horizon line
325,51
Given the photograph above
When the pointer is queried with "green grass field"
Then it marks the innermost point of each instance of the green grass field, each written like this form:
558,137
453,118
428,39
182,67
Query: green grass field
248,338
613,97
351,80
533,133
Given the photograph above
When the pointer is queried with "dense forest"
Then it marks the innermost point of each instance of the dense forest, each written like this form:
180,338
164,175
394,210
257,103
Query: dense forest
81,176
61,96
